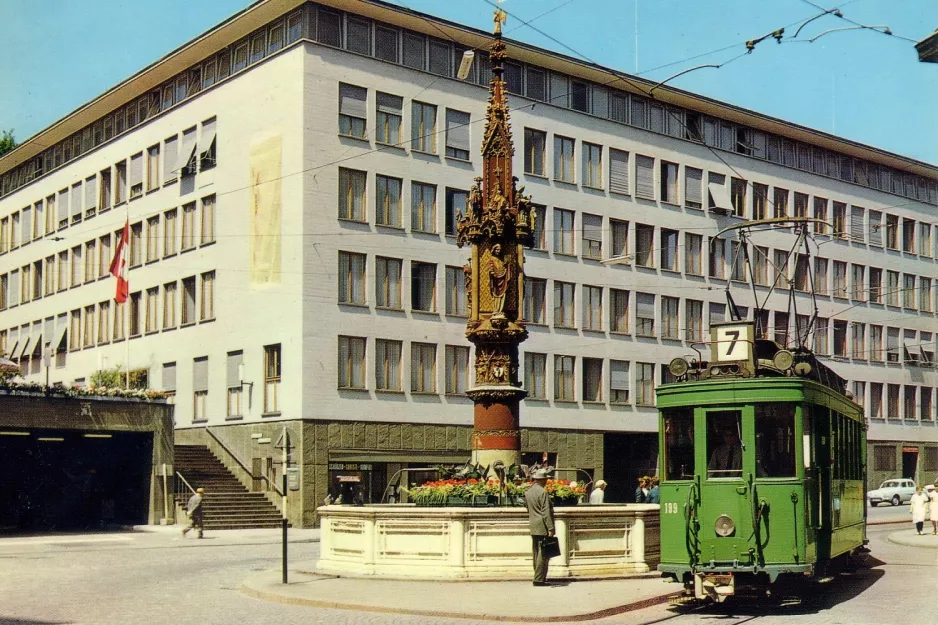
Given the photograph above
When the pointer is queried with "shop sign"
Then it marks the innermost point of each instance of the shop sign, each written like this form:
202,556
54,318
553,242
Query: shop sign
349,466
910,450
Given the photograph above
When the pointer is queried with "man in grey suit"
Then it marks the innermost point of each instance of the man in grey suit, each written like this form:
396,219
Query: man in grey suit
541,522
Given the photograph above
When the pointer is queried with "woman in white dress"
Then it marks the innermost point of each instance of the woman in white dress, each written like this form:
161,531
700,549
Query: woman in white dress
933,509
917,508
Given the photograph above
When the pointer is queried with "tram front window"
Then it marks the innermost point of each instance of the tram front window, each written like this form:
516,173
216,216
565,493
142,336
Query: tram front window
724,447
775,440
679,444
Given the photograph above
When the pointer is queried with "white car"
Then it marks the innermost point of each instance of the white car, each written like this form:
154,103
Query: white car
894,491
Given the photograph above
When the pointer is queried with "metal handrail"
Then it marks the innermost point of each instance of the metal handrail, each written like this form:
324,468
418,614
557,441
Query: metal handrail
185,481
241,464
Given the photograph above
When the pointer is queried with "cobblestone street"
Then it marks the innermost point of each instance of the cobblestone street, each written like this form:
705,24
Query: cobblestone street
145,577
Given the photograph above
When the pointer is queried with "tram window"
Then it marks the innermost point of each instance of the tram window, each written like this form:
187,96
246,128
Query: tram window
724,446
679,444
775,440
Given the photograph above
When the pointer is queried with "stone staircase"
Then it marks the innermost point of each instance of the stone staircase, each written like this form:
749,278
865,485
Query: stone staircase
227,503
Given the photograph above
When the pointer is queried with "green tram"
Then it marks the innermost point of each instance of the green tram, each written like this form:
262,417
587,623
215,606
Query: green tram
762,469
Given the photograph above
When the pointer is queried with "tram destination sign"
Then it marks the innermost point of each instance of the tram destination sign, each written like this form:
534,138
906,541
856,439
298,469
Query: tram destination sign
732,342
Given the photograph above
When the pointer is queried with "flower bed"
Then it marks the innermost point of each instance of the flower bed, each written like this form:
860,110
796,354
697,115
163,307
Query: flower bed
79,391
476,492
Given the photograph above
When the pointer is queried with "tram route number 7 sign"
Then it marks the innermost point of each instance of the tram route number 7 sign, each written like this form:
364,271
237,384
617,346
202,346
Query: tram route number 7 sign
732,342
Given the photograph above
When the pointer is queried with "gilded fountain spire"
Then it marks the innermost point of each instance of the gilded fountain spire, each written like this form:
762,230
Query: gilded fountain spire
498,225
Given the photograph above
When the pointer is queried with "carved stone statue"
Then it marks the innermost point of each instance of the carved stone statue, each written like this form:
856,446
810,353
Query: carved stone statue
499,276
467,273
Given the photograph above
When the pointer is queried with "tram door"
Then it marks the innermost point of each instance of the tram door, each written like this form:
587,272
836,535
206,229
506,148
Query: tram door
822,437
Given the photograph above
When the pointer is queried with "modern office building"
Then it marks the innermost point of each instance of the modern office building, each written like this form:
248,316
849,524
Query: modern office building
292,178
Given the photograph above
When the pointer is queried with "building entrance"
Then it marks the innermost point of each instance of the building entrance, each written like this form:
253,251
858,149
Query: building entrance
909,462
70,479
626,457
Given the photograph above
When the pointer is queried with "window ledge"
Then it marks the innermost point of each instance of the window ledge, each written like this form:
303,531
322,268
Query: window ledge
620,332
234,417
392,146
694,208
425,393
184,250
431,313
355,137
646,336
353,221
673,271
166,183
644,197
569,183
565,254
565,401
456,395
400,310
597,259
424,152
430,232
542,400
358,389
200,420
671,204
620,403
457,315
207,320
591,187
534,175
593,403
388,391
458,160
207,243
151,332
188,324
563,327
165,256
354,304
276,413
390,226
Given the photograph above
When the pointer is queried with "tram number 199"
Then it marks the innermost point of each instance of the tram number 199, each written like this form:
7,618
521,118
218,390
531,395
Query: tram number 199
670,508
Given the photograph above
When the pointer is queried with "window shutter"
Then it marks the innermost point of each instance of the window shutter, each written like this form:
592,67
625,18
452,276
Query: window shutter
63,205
169,376
234,362
136,169
600,101
717,313
693,179
76,199
188,149
91,193
61,327
876,228
856,224
387,103
592,227
559,90
207,138
169,158
644,176
200,374
353,101
457,130
619,375
645,305
618,171
719,195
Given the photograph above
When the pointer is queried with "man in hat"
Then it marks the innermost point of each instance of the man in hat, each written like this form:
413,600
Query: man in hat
194,512
599,492
541,523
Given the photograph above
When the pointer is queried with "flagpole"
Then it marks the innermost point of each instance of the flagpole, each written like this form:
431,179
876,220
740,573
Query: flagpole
126,327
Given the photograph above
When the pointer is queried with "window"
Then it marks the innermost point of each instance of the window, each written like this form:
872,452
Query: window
592,377
91,268
644,177
188,227
781,202
415,51
801,204
840,221
234,363
924,289
535,300
738,196
669,250
352,194
692,255
207,149
153,167
564,378
272,373
857,225
840,279
456,292
169,233
908,291
645,384
563,159
388,365
892,234
924,246
423,207
200,389
925,414
351,362
592,308
760,194
592,236
669,192
644,248
208,220
423,127
535,142
892,401
153,238
645,314
353,109
351,278
388,201
717,197
820,213
592,165
876,412
876,285
422,368
619,171
579,96
820,276
858,281
76,266
539,235
136,175
619,310
422,286
563,232
457,134
908,236
801,272
620,238
386,46
892,345
329,28
760,265
535,375
457,369
876,343
456,203
50,209
388,282
358,35
693,320
170,168
63,271
564,307
152,313
775,423
858,340
717,258
892,288
169,305
670,325
781,328
188,301
207,309
388,115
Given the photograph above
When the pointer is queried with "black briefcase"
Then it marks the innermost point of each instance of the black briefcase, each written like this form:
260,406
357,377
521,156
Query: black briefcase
550,547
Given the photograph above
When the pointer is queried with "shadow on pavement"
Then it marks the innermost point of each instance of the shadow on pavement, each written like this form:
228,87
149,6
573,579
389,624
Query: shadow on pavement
25,621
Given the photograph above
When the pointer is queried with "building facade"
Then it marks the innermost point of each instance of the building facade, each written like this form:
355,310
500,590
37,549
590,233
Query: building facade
292,180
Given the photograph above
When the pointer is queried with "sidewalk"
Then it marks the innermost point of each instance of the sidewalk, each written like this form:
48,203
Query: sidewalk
909,538
261,536
493,601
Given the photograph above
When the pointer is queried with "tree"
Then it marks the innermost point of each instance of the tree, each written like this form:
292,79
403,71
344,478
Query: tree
7,142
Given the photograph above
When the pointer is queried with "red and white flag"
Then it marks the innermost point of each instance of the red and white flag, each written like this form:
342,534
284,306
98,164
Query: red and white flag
119,265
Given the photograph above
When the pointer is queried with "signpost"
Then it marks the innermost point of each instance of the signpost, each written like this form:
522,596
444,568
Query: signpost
284,444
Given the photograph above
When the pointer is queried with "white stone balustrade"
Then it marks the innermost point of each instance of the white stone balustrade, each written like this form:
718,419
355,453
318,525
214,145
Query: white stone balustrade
407,541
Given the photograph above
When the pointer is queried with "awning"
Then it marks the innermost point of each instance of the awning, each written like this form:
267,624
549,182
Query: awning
20,348
206,140
913,350
35,342
58,337
16,346
720,195
186,153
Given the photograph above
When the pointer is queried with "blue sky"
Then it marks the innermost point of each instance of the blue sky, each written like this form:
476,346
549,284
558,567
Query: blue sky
858,84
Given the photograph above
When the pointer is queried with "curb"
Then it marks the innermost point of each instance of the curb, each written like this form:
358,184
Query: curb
267,595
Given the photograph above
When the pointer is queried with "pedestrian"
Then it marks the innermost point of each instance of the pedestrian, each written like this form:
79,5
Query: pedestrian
917,508
599,492
653,496
933,509
194,512
640,491
540,522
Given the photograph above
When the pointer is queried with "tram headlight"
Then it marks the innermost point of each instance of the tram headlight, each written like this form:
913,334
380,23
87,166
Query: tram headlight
783,360
724,526
678,367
